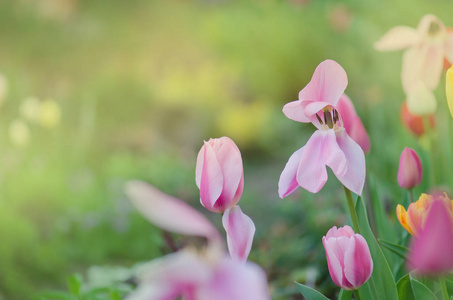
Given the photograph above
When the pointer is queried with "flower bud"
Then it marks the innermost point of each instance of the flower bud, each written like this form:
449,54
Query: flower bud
348,257
219,174
410,171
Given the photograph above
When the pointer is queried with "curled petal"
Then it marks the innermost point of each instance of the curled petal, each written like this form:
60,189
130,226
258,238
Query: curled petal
321,150
295,110
169,213
240,230
397,38
288,181
354,177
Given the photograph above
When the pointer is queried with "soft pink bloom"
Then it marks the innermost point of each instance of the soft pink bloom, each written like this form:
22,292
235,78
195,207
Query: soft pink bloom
330,145
219,174
410,172
348,257
240,230
204,274
352,123
423,61
431,250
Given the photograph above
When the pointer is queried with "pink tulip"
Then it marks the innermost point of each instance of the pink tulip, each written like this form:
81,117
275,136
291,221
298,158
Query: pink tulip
352,123
330,145
219,174
410,170
348,257
204,274
240,231
431,250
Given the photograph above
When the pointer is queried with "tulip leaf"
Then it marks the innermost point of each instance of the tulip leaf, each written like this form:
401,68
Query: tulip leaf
309,293
421,291
395,248
381,284
345,295
404,288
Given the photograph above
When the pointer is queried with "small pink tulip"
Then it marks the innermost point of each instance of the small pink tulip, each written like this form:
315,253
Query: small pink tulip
219,174
348,257
431,250
410,171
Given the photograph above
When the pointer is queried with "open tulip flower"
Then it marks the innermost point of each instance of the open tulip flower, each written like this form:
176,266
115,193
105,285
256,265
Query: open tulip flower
203,274
432,249
348,257
423,61
414,219
330,145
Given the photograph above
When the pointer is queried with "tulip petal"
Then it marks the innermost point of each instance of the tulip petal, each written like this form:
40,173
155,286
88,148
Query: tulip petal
449,90
327,84
359,134
167,212
321,150
358,265
335,249
432,248
421,100
397,38
347,111
295,110
449,47
354,177
240,230
288,181
211,182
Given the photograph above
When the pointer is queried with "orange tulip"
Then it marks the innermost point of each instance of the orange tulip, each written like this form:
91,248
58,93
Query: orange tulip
413,220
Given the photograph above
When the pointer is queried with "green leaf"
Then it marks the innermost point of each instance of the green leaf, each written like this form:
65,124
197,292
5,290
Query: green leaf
395,248
404,288
74,283
309,293
421,291
55,295
345,295
381,285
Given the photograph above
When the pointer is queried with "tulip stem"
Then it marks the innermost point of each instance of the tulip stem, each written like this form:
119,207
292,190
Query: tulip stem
430,136
352,212
356,295
411,195
443,287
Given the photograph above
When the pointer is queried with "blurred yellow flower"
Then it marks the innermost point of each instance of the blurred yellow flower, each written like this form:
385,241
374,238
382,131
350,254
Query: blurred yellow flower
49,114
449,89
19,133
30,109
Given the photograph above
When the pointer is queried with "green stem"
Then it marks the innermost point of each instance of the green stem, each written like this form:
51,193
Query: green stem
356,294
443,287
431,150
411,195
352,212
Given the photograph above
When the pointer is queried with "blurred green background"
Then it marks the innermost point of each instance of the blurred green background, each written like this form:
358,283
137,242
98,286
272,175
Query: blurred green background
99,92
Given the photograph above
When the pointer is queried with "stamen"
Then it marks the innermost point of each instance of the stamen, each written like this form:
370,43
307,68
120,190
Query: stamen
328,119
319,119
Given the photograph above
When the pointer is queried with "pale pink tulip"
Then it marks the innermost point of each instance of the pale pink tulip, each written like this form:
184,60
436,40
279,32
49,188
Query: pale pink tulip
410,172
219,174
431,249
423,61
240,230
330,145
352,123
205,274
348,257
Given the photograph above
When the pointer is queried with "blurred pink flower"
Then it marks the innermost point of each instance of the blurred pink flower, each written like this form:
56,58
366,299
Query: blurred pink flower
410,172
352,123
432,248
219,174
203,274
423,61
348,257
330,145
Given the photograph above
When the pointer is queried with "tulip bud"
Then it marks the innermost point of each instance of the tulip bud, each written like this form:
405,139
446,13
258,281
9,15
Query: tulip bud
414,123
449,89
219,174
410,171
348,257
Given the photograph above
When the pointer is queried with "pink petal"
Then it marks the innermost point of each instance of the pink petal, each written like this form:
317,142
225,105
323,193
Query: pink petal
313,107
397,38
169,213
321,150
288,181
432,248
354,178
410,172
449,47
327,84
339,232
358,265
335,249
211,182
240,230
347,111
296,111
359,134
